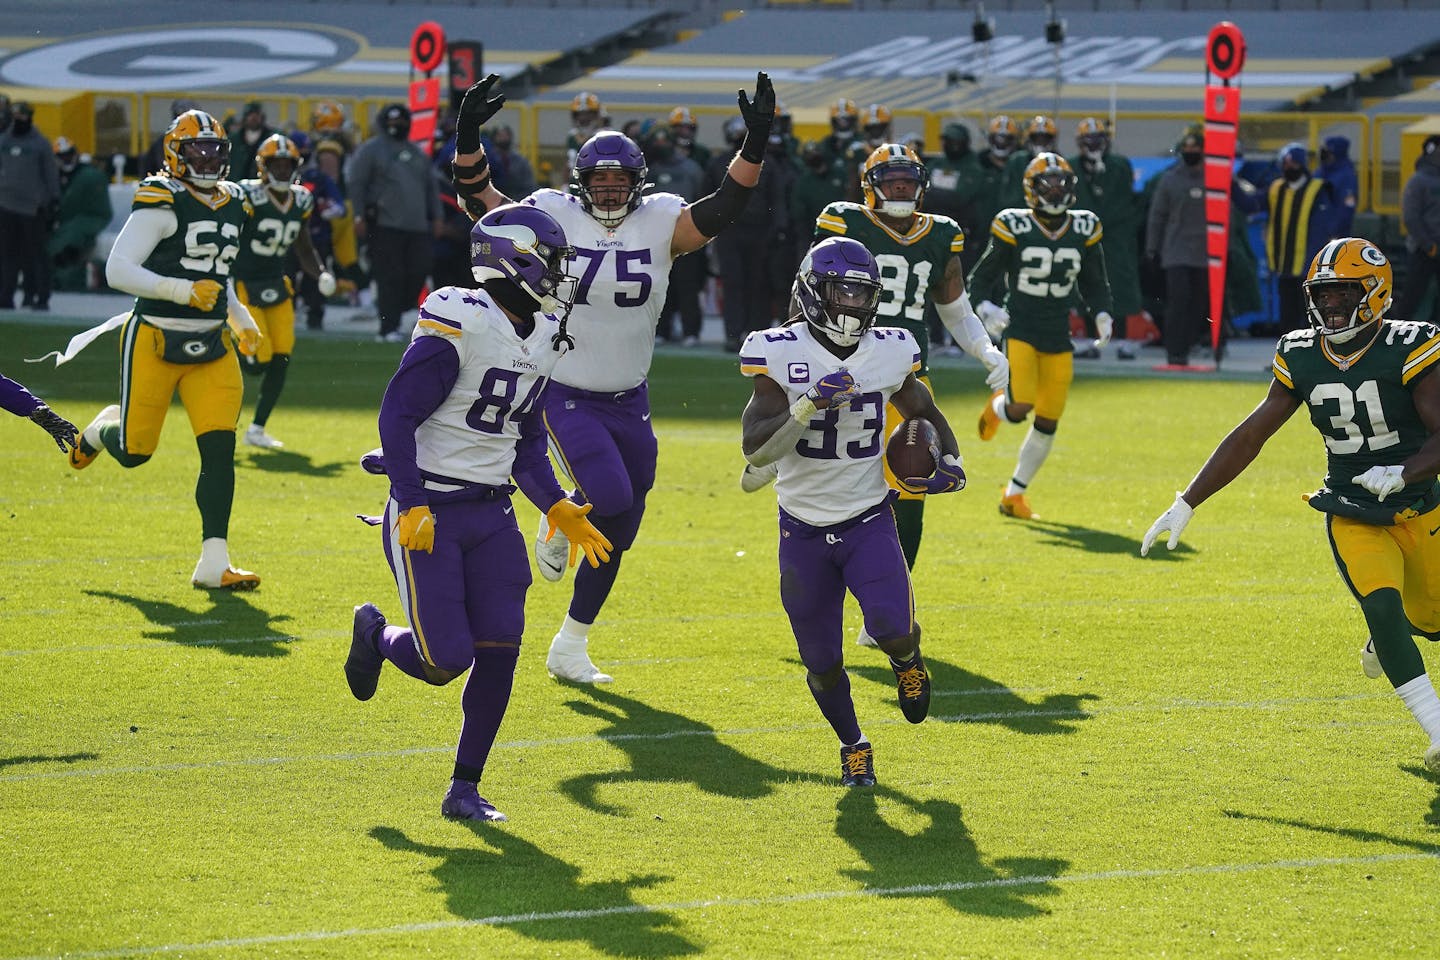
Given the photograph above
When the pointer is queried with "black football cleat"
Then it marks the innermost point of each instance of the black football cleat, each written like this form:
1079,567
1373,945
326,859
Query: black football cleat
362,666
912,682
857,765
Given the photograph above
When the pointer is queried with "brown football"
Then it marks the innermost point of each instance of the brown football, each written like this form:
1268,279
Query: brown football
913,449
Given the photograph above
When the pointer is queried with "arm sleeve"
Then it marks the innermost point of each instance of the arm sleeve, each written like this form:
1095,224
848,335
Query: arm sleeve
532,471
16,399
1094,282
142,232
427,374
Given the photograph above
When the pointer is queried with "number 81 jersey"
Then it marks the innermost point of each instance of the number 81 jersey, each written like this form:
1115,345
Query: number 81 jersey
835,471
1363,408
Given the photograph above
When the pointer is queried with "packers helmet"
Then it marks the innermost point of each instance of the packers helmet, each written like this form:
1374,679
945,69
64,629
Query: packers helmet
327,116
1040,134
585,110
278,160
844,116
682,117
1002,135
1348,286
196,149
1049,185
887,164
1092,136
875,121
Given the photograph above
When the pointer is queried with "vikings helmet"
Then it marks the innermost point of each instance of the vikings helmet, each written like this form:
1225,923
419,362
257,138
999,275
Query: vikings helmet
1347,287
886,164
196,149
278,160
615,151
838,290
1049,184
524,244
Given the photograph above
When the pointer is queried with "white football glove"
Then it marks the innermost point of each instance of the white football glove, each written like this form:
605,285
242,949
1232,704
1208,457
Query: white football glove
998,377
326,283
1173,520
993,318
1105,326
1381,481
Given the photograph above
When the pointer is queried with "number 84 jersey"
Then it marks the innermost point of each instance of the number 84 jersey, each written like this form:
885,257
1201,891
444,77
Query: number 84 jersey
835,471
1363,408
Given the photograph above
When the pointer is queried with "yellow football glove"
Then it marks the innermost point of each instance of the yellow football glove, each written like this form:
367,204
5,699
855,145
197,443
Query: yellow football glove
416,529
204,294
248,340
569,518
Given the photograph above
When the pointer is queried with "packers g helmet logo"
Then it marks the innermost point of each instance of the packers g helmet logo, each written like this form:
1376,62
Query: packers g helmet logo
270,295
195,348
1373,256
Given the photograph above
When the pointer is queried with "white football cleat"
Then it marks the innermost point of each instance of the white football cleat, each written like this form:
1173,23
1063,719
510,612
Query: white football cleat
756,478
1432,758
575,667
257,437
1369,662
230,578
551,556
863,638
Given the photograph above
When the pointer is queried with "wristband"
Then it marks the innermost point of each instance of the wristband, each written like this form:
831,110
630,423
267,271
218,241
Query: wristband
802,410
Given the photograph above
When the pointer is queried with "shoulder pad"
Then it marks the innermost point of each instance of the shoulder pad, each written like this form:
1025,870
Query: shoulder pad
1010,223
1086,223
1297,339
832,218
304,199
156,191
444,312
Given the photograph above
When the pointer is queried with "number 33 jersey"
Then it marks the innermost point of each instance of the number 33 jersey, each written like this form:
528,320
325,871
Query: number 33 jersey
1363,408
471,437
836,470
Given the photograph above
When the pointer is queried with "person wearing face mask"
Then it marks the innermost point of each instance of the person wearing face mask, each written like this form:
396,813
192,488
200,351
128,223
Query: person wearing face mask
513,174
1105,184
744,251
1300,208
397,208
1175,238
1420,212
245,142
1002,136
818,184
682,130
672,172
83,212
1337,169
1041,136
29,189
587,117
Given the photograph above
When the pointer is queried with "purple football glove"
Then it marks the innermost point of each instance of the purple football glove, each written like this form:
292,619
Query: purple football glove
833,388
948,478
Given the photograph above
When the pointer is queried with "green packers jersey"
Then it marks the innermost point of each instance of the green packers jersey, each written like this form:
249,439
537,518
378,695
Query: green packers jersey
205,242
1033,273
268,236
910,263
1362,406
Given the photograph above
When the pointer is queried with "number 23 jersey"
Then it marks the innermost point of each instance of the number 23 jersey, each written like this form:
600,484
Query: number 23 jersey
835,471
1365,412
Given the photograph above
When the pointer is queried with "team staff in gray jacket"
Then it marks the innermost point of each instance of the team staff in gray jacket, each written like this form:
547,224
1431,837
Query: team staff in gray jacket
1175,235
29,191
397,210
1420,210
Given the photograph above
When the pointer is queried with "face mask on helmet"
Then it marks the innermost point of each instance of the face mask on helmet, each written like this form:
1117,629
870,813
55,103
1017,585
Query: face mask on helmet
609,196
206,161
838,290
897,188
1002,144
1050,189
1347,288
1333,306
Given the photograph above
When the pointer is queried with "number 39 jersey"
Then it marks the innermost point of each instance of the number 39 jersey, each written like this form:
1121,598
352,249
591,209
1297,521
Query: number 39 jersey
1035,274
203,246
471,437
836,470
1364,410
271,231
623,276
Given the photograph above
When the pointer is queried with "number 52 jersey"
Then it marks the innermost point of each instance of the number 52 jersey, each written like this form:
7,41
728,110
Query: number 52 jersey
1363,408
835,471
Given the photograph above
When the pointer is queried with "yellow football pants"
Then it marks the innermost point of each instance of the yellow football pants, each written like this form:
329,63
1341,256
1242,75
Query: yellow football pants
211,392
1041,380
1405,557
276,322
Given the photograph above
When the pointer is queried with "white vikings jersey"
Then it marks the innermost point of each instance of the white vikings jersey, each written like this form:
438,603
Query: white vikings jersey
471,437
836,470
623,277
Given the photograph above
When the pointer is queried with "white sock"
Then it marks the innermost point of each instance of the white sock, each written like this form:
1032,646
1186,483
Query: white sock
858,742
997,403
1419,698
1033,452
214,553
572,637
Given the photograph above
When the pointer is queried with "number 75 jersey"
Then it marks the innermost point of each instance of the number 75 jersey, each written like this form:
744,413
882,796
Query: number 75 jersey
835,471
1363,408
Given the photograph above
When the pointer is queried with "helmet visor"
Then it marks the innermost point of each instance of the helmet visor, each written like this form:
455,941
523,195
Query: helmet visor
1053,187
854,298
205,158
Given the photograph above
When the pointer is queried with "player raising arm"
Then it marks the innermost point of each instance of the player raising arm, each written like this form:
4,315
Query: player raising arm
817,410
1380,498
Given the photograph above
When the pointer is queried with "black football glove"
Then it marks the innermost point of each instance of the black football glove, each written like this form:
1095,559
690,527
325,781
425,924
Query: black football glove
477,107
758,114
57,426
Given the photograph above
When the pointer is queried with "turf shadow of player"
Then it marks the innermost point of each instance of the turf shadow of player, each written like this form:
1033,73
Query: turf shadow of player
1355,833
942,861
231,623
510,882
289,461
665,747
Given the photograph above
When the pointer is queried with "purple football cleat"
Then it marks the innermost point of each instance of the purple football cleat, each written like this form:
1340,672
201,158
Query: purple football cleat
463,802
362,666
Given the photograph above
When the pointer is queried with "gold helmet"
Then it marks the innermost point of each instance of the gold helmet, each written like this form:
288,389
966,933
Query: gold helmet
196,149
585,102
327,116
1049,184
888,164
875,121
1002,134
278,160
1092,135
682,117
1040,134
1348,286
844,115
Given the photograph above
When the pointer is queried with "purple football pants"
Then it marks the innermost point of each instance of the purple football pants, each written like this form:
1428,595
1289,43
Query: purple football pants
604,441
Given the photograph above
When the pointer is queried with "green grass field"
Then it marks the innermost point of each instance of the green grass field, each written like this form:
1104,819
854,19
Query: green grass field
1176,756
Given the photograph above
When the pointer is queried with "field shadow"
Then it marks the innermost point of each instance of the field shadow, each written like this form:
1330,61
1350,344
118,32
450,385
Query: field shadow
231,623
962,696
666,747
1091,540
41,758
288,461
942,861
511,882
1416,770
1351,833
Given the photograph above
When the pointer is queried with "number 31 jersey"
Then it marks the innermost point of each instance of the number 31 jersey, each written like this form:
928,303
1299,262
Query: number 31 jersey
471,437
1363,408
835,471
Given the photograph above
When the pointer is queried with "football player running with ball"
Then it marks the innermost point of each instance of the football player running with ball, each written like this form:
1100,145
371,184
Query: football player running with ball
282,211
458,421
597,407
174,254
817,411
1024,280
1371,389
